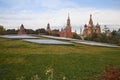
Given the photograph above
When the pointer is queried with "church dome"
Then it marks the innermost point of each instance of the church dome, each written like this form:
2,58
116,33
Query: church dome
85,25
97,25
89,25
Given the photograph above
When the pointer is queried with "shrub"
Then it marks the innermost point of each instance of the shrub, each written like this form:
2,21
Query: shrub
110,73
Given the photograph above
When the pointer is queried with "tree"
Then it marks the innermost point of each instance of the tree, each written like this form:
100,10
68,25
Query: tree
2,30
118,32
106,30
29,31
40,31
76,36
114,33
11,31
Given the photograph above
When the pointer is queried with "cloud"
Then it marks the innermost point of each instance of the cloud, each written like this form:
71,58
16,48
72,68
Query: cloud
57,18
36,14
36,5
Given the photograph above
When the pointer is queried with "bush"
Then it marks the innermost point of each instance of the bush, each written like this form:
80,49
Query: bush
76,36
110,73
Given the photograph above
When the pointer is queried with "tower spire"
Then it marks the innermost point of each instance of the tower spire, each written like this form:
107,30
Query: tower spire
90,21
90,15
48,26
68,16
68,21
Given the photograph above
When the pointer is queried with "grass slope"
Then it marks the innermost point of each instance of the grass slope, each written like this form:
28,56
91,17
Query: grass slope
76,62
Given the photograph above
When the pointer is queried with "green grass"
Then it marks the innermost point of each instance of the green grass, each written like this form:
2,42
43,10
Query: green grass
76,62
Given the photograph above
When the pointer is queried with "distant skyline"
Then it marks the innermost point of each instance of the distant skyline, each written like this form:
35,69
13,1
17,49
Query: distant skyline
36,14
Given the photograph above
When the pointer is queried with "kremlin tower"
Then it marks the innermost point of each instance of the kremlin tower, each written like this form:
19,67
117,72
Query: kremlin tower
67,32
48,29
22,30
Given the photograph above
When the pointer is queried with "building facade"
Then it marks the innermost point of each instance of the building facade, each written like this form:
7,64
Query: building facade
54,32
90,28
21,30
66,32
48,29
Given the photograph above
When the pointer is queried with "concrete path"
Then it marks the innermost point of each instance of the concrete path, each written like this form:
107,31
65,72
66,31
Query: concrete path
92,43
18,36
47,41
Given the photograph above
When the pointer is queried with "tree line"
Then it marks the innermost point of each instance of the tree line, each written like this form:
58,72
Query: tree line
112,37
4,31
31,31
107,36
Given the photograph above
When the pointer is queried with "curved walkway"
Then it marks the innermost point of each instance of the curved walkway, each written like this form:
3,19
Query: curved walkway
92,43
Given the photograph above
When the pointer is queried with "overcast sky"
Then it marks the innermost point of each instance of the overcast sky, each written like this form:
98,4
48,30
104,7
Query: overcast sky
37,13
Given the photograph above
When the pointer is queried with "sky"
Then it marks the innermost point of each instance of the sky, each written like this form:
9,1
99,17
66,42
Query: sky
36,14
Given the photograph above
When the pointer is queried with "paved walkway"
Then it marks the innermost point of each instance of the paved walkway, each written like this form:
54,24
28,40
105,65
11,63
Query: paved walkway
92,43
18,36
47,41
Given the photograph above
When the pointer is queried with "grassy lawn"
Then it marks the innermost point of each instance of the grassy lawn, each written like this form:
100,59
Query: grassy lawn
75,62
